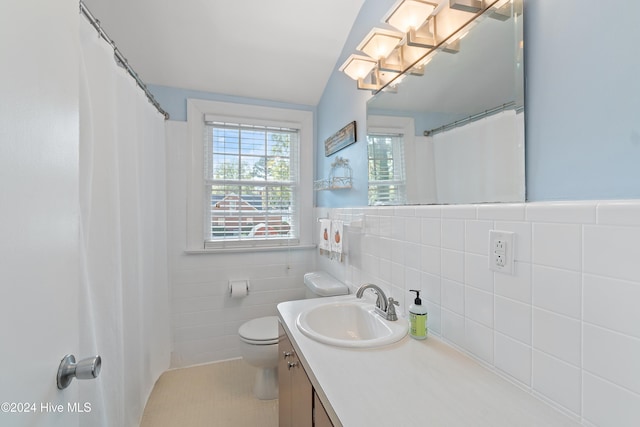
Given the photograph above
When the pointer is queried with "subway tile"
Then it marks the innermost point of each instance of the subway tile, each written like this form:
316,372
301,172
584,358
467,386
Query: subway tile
557,290
370,245
513,319
606,404
434,321
619,212
557,381
412,255
404,211
397,251
385,270
431,287
513,358
413,229
477,273
607,304
557,245
516,286
453,327
398,227
431,257
429,211
459,211
522,238
479,340
452,265
453,234
502,211
372,224
612,356
612,252
431,231
478,306
453,296
477,237
412,279
557,335
385,248
397,275
565,212
385,224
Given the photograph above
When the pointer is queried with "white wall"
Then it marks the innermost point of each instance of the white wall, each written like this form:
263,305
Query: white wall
205,320
565,326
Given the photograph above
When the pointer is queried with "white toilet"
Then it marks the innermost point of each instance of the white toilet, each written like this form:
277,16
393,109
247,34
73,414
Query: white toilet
259,337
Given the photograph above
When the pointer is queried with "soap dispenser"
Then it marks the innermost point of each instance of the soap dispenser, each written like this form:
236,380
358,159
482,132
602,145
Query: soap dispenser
417,318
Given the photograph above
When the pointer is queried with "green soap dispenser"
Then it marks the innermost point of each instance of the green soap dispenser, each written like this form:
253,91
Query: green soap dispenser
418,318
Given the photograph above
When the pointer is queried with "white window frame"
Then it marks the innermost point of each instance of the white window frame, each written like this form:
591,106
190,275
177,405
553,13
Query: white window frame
197,109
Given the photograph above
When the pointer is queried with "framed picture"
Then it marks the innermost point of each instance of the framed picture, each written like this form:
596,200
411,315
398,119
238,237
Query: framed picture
341,139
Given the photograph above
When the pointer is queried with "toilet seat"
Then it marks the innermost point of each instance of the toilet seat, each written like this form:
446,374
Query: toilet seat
260,331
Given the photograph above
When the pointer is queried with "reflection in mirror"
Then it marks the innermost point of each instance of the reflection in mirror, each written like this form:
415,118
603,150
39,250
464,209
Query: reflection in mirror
456,133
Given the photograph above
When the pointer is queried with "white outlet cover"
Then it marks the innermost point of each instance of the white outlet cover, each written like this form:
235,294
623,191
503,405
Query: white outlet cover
501,251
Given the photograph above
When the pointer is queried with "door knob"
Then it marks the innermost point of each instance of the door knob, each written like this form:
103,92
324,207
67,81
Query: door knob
86,369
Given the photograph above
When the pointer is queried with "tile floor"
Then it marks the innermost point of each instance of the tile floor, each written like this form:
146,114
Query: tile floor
216,394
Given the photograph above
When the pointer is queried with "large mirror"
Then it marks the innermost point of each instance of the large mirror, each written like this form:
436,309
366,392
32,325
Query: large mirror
456,133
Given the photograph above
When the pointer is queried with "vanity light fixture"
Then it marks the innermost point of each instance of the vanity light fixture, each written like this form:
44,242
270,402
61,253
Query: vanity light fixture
358,66
424,27
452,23
366,72
473,6
379,43
409,14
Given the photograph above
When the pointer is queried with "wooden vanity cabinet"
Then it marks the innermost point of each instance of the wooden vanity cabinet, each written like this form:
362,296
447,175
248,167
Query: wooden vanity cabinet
297,400
320,416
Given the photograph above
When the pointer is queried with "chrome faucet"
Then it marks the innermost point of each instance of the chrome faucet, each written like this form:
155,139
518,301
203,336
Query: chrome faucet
383,308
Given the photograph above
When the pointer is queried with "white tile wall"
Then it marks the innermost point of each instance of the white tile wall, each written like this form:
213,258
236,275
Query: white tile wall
205,320
565,326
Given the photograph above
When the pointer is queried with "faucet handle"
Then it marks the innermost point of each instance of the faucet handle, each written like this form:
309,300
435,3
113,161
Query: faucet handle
391,310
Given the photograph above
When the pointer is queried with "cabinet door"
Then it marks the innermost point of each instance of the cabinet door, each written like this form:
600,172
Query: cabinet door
285,356
320,416
302,399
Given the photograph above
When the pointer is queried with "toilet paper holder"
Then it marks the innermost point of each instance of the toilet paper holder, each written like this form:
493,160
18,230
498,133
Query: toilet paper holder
238,288
86,369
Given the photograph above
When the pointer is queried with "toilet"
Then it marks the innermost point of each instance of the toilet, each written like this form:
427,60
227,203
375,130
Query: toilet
259,337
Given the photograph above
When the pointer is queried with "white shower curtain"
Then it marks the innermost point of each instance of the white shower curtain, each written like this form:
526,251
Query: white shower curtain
124,308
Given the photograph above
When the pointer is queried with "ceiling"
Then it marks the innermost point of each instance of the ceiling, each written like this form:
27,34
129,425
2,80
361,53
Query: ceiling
279,50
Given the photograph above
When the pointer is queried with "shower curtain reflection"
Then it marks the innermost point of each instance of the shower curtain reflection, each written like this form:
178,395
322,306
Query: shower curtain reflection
124,285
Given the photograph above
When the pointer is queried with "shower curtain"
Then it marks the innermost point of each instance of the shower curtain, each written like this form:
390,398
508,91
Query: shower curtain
124,305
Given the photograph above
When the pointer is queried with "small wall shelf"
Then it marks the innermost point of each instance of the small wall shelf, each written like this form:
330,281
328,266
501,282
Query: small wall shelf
340,177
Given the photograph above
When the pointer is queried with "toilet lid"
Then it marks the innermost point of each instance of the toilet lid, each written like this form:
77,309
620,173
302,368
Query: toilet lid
260,329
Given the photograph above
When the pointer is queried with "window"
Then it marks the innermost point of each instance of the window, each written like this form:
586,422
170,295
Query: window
248,186
251,182
387,181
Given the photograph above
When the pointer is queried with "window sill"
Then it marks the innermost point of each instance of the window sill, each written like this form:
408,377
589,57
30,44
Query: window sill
249,249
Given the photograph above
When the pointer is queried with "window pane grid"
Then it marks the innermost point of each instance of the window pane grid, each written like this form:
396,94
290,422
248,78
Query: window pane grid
387,182
252,174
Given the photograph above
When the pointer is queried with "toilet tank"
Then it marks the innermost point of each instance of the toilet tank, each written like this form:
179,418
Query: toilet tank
322,284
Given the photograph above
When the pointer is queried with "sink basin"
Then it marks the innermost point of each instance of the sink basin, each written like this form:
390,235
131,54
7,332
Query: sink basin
350,324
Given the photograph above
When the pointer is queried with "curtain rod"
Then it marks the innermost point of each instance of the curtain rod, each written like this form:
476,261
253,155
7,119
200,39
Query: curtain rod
120,59
475,117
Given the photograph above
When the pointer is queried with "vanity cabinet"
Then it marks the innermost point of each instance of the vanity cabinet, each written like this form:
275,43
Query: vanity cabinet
298,404
320,416
295,395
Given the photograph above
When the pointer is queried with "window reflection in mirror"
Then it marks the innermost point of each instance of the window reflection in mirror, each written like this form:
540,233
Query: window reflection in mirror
461,125
387,180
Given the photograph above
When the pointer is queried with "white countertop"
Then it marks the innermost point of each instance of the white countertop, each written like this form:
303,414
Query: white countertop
411,383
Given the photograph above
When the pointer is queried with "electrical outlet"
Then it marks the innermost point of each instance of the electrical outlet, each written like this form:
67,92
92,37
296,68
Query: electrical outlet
501,251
